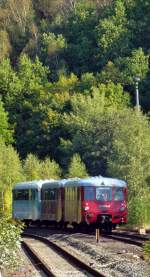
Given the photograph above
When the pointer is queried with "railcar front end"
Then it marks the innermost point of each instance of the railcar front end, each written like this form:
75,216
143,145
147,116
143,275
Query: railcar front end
104,203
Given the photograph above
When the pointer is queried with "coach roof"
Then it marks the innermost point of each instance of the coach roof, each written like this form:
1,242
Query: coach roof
31,184
96,181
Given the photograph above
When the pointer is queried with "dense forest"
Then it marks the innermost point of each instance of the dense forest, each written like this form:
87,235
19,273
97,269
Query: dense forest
67,87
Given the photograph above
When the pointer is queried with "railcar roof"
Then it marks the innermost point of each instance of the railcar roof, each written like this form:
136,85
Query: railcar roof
31,184
96,182
58,183
51,184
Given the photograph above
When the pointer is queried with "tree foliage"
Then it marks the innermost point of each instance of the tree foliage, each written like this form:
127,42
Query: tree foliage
77,167
11,173
10,244
130,160
34,169
66,82
5,132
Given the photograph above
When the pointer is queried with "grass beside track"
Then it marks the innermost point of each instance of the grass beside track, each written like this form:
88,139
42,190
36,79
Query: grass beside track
146,250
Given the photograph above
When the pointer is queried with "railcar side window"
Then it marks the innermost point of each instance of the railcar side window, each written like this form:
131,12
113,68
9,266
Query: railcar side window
118,194
103,194
49,194
89,193
53,194
24,194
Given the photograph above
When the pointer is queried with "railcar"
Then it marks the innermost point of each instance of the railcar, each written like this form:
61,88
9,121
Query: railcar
27,201
97,201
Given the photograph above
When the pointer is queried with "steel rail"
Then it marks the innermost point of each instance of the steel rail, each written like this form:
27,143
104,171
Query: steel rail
132,235
39,263
68,256
130,240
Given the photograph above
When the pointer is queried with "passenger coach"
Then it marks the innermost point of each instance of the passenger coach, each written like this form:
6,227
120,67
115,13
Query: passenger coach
27,201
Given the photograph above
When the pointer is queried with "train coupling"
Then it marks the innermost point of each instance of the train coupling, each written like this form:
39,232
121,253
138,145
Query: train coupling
104,218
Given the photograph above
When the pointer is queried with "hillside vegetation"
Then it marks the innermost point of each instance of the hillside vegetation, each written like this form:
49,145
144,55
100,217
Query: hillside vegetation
67,87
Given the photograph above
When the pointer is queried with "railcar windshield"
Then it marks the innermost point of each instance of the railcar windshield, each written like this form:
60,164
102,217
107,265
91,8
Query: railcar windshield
24,194
104,194
119,194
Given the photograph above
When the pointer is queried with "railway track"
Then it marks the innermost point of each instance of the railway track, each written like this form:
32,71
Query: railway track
126,237
47,266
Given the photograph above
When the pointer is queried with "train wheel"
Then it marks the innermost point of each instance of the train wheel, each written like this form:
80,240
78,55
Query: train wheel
65,225
84,227
114,226
75,226
108,229
39,223
27,223
91,228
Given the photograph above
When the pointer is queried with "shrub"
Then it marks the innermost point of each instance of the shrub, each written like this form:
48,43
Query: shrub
146,250
10,241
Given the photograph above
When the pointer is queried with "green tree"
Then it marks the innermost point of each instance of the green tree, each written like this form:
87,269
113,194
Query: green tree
135,65
10,85
32,168
130,160
81,42
111,72
5,46
11,173
50,169
5,132
77,167
139,21
52,48
90,126
113,36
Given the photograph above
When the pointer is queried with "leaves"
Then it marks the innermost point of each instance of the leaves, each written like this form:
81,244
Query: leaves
77,167
10,243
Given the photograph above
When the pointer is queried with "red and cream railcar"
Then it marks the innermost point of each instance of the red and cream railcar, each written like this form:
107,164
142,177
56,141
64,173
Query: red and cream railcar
96,201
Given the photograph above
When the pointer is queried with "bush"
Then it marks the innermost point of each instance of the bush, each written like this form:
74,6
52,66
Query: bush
10,242
146,250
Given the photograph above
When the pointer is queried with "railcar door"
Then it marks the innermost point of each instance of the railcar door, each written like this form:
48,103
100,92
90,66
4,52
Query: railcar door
72,204
51,204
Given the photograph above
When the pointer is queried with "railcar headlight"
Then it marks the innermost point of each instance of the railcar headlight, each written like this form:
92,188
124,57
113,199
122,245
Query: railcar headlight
86,208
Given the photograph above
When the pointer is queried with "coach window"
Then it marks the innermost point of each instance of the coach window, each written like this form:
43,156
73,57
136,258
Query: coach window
34,193
53,194
45,194
118,194
22,194
89,193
